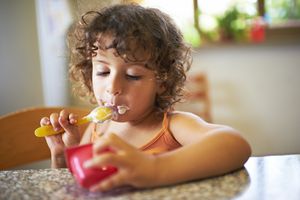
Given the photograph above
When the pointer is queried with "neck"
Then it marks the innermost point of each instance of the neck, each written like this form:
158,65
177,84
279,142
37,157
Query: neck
147,120
137,132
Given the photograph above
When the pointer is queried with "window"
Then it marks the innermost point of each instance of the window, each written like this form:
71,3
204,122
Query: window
280,12
203,21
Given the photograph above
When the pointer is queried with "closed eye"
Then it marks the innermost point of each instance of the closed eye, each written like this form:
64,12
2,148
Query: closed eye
102,73
132,77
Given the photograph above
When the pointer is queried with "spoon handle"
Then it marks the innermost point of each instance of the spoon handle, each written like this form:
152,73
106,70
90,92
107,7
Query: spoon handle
48,130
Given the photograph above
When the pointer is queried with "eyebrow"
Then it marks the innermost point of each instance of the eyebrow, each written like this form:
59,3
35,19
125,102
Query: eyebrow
129,63
101,61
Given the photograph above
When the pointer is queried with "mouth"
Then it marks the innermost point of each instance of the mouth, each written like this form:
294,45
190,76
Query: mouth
122,109
118,109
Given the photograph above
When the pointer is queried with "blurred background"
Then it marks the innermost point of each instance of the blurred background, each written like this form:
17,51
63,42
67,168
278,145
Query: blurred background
249,51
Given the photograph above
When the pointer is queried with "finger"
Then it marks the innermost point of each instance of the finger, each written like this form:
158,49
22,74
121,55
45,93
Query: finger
65,123
64,118
104,160
109,183
73,118
45,121
54,121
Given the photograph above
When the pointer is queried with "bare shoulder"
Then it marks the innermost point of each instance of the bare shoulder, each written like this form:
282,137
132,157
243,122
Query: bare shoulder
186,126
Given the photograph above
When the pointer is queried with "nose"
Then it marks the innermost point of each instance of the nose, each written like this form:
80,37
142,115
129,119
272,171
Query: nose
114,86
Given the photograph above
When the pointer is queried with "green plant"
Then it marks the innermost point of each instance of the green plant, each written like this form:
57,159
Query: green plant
233,25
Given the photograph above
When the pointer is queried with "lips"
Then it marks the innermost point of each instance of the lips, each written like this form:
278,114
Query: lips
122,109
119,109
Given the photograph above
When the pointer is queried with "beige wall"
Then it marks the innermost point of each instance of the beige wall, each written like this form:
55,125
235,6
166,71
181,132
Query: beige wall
256,90
20,74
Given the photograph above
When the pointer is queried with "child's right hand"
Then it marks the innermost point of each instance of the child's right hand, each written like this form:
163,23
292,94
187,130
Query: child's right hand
57,143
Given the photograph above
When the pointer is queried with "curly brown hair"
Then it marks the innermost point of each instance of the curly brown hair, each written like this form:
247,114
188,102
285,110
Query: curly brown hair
134,29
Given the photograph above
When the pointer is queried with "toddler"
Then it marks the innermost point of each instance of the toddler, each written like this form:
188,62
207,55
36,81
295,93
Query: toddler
134,57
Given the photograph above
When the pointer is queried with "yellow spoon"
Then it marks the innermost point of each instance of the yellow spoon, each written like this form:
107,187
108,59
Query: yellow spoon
98,115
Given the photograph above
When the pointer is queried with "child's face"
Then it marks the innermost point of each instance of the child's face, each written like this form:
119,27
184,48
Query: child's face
118,83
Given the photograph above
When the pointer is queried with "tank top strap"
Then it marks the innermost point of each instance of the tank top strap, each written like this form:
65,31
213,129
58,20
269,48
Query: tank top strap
166,121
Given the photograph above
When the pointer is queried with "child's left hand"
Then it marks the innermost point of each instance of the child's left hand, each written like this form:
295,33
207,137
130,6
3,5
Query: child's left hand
135,168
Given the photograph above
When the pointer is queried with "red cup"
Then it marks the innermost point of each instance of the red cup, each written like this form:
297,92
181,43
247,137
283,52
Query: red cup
86,177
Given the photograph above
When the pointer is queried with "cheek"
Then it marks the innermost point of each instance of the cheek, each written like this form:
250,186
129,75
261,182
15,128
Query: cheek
145,95
98,87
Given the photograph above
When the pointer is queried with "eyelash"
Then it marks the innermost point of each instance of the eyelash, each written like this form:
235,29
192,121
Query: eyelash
135,78
102,73
130,77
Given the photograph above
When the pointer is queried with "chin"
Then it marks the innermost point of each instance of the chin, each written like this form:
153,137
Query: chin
119,118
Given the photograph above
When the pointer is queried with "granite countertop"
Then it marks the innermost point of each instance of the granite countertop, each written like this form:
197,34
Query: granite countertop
271,177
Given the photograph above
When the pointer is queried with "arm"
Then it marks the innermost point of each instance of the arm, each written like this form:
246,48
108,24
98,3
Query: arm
214,150
215,154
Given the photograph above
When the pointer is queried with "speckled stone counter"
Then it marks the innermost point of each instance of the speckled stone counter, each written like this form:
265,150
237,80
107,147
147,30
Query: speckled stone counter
271,177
